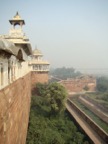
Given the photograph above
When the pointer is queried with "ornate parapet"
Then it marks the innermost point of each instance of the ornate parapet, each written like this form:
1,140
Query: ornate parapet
13,63
37,63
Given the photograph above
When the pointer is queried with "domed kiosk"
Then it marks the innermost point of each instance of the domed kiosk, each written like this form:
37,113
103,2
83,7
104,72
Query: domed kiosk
40,67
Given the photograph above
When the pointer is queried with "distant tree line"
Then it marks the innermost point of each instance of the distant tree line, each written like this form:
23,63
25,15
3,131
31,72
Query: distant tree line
64,73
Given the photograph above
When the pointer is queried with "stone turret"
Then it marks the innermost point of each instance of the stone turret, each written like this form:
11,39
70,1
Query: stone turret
37,63
39,68
17,36
17,20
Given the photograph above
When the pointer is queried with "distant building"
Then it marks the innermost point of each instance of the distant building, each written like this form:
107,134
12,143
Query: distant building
84,83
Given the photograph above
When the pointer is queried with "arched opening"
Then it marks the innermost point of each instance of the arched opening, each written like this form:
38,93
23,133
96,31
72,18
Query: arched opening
20,55
9,72
1,74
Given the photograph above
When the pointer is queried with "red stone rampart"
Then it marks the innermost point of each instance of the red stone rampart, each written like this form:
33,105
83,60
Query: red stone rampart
41,77
14,111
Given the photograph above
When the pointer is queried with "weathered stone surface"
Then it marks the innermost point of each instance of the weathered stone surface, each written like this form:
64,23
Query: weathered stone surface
41,77
14,111
78,84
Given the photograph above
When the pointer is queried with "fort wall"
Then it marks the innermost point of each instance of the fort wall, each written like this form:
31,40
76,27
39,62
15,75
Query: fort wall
79,84
41,77
16,81
14,111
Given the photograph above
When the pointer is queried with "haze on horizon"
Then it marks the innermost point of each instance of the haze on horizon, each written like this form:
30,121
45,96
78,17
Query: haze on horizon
71,33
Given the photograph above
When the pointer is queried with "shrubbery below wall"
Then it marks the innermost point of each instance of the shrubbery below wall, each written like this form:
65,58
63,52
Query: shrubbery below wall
49,121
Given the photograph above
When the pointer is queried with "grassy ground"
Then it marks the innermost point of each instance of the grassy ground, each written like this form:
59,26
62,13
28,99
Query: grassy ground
102,124
101,98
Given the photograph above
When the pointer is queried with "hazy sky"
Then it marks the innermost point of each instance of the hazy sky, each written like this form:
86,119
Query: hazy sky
71,33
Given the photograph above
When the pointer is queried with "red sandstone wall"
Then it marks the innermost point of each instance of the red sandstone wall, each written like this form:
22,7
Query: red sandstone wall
41,77
14,111
78,85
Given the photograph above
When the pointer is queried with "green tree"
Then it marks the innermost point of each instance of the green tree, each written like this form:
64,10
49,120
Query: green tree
105,97
40,89
102,84
58,129
56,96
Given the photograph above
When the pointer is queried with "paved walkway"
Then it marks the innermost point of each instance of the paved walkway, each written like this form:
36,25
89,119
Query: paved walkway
88,130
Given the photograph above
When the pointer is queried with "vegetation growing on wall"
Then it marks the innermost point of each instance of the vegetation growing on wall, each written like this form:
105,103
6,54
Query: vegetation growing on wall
49,122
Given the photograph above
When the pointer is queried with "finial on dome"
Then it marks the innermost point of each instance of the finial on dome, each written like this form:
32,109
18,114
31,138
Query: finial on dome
17,20
17,13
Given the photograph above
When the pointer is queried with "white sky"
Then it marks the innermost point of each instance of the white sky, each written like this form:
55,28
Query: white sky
71,33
